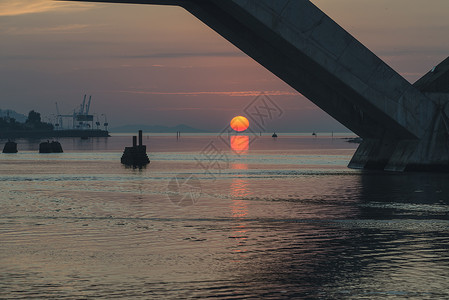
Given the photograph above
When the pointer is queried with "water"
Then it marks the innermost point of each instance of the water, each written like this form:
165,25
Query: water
273,219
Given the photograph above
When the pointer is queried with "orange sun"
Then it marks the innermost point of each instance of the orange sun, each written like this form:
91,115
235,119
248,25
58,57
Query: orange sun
239,123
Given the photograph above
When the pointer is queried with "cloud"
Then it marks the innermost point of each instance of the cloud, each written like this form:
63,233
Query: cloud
229,94
184,54
170,108
22,7
70,28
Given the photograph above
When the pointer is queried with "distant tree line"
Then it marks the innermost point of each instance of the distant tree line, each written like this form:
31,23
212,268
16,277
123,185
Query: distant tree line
33,122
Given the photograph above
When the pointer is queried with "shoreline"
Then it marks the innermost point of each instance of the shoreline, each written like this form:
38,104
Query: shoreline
40,134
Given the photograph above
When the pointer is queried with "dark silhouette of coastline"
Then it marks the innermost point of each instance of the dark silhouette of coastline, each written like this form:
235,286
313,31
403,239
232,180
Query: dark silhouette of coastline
33,127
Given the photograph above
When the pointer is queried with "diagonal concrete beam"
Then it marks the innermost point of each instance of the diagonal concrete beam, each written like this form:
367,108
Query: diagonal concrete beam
436,80
308,50
401,125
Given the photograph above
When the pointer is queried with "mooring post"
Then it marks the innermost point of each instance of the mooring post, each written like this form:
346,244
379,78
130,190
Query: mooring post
137,154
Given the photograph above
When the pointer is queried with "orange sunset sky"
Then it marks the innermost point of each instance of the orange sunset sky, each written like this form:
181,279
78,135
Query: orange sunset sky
159,65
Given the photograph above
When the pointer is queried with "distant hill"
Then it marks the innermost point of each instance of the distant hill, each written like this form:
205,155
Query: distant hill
156,129
13,114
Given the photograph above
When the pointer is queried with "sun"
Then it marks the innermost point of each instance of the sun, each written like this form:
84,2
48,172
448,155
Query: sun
239,123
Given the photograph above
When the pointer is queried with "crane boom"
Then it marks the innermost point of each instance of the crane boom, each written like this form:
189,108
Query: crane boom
82,105
88,105
57,108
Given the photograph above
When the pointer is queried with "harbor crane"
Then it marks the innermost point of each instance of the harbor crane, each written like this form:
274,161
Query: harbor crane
81,119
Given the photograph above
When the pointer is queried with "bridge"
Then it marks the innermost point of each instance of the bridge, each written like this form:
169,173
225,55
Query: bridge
404,126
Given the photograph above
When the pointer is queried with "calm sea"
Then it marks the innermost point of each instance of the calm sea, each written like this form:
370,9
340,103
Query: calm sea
228,217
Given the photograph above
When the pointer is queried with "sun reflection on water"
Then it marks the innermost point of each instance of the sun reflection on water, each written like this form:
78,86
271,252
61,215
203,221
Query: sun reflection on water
240,144
239,210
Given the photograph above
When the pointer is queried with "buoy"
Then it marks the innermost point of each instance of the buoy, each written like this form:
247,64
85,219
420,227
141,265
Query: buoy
53,147
10,147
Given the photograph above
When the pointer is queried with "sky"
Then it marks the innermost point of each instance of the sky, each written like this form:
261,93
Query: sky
159,65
